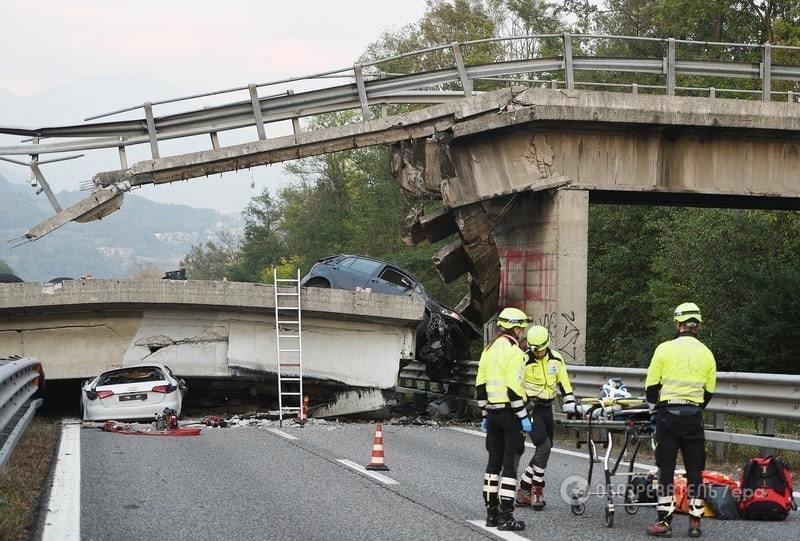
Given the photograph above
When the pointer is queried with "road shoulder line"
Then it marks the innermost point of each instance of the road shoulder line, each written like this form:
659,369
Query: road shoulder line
361,469
282,434
63,519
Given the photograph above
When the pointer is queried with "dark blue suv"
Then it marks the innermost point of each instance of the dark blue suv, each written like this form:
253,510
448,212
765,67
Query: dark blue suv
443,335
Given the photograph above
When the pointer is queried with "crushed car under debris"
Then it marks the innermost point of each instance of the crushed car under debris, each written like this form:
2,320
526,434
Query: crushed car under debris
443,336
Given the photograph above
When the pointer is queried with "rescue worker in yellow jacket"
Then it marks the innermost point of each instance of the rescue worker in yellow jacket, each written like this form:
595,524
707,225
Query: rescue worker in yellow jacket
681,380
545,374
501,397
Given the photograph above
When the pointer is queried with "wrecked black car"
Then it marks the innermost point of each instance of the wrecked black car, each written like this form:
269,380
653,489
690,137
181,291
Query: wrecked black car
443,335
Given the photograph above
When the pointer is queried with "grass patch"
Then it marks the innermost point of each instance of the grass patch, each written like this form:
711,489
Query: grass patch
22,484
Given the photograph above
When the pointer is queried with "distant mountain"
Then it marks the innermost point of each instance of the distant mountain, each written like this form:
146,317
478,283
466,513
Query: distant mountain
141,233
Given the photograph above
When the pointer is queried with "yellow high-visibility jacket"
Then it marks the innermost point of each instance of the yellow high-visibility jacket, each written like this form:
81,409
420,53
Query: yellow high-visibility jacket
500,374
543,377
683,369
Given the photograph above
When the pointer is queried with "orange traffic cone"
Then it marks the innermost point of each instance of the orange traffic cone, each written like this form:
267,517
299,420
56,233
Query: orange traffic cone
377,462
303,415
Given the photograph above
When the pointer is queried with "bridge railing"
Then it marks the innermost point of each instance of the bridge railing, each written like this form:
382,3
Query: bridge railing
526,60
765,397
19,380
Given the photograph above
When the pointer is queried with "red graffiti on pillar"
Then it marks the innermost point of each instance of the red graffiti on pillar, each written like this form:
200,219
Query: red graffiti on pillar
525,275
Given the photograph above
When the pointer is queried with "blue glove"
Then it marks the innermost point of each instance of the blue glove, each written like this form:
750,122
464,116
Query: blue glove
526,425
485,425
653,422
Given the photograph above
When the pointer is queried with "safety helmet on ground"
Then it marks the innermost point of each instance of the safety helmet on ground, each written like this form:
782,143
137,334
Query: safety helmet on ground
687,311
512,317
538,338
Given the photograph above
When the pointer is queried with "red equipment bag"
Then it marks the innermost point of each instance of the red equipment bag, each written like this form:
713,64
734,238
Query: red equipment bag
766,490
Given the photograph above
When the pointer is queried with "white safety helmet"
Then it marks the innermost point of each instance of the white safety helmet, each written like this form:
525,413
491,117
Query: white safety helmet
614,388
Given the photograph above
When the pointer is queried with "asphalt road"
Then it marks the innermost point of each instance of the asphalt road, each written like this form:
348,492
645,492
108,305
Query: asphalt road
250,483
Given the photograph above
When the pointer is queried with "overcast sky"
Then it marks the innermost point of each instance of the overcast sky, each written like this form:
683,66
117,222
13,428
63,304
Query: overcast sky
69,59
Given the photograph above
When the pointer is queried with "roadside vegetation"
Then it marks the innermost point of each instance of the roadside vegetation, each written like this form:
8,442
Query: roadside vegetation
740,266
22,484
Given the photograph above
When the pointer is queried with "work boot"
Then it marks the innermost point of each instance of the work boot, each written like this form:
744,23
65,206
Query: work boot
662,528
506,520
523,496
491,516
694,527
537,497
511,525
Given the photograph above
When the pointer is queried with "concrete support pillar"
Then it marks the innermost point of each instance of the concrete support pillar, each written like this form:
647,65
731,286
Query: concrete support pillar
543,240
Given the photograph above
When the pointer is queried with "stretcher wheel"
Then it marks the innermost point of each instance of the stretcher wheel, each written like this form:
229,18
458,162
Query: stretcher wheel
629,498
578,509
609,517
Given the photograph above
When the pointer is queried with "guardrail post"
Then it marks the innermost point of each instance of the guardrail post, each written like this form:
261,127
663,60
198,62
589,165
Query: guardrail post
362,91
151,129
671,67
569,73
554,84
466,84
768,429
712,92
123,157
766,73
295,120
214,140
634,88
789,96
719,447
259,118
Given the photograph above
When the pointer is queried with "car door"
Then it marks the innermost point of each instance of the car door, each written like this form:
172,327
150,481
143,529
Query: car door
360,272
393,281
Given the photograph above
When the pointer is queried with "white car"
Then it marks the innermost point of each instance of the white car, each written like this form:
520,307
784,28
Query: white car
134,392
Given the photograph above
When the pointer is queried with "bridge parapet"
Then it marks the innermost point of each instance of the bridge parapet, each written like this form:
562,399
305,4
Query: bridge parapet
204,329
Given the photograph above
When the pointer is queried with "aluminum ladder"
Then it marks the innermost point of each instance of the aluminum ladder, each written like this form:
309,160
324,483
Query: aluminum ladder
289,343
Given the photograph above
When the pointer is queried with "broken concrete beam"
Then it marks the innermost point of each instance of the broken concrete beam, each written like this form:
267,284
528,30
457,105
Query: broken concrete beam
95,206
438,225
413,233
451,261
467,309
475,229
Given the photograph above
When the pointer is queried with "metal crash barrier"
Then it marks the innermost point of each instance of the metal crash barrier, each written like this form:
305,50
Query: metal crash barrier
20,378
765,397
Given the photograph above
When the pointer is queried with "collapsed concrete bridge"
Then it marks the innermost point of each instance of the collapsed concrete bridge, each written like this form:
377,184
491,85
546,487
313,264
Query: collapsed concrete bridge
517,169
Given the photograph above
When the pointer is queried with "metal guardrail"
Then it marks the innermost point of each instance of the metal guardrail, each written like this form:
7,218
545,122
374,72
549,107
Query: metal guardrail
19,381
742,393
765,397
518,62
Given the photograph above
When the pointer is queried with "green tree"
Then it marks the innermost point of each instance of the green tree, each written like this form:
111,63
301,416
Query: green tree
212,260
4,268
263,245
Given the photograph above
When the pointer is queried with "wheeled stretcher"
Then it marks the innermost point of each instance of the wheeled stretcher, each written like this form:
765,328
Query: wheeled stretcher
601,419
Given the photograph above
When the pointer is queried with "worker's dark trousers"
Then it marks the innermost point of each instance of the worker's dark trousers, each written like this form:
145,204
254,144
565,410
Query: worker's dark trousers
542,438
505,444
684,432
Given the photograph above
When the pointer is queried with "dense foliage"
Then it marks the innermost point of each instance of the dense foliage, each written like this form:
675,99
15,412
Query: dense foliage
740,266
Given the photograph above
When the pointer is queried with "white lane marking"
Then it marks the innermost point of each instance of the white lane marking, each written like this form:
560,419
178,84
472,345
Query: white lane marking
494,531
282,434
361,469
554,449
63,519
